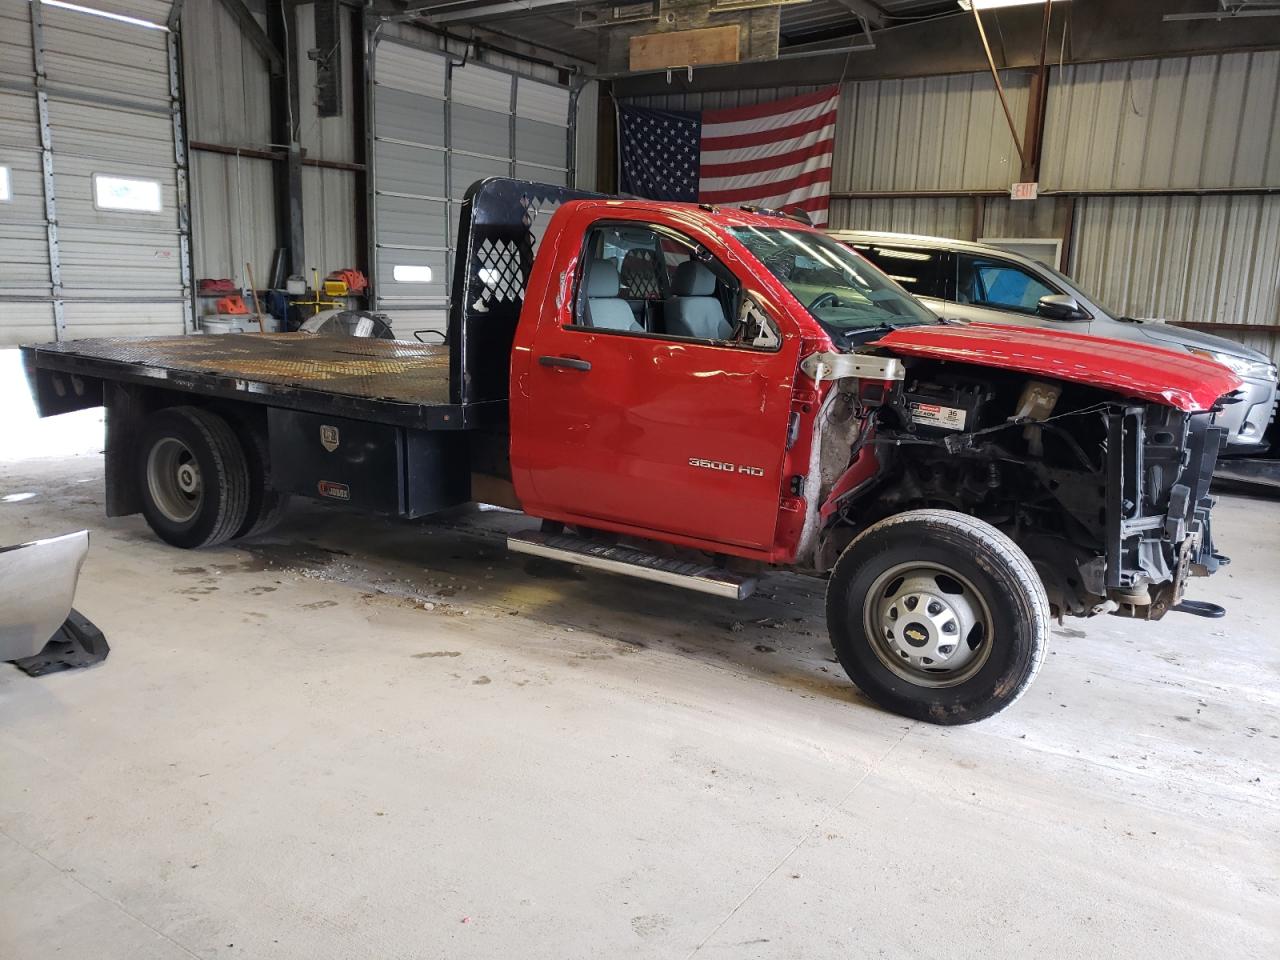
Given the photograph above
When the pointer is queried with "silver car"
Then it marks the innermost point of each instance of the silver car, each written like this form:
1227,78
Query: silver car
975,281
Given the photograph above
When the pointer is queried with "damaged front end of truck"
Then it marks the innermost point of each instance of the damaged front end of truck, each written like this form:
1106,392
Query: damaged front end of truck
1103,482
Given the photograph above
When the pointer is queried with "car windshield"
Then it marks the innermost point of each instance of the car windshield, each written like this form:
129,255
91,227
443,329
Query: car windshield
840,289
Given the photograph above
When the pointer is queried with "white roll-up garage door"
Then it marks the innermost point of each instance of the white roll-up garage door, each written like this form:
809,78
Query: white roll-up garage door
93,234
439,126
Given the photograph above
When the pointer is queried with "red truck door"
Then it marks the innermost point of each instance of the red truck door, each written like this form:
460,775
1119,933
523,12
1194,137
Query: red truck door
653,399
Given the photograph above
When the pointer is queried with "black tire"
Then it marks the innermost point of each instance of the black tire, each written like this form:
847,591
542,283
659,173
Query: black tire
266,506
203,444
993,580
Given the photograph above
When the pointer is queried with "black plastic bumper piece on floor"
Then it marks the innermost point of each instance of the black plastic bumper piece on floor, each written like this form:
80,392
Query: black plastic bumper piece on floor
78,643
1201,608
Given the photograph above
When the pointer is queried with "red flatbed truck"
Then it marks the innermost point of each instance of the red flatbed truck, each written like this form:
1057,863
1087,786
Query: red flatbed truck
698,395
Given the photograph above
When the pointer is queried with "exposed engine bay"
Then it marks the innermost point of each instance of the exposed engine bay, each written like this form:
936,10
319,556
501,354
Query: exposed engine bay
1108,497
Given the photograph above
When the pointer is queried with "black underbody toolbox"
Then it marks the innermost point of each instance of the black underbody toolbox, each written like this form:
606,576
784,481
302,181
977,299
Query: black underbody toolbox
378,467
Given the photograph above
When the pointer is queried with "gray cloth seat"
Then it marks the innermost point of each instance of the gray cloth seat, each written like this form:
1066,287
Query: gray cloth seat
693,310
605,309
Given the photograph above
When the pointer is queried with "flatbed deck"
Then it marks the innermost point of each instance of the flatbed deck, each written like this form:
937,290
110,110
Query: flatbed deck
386,380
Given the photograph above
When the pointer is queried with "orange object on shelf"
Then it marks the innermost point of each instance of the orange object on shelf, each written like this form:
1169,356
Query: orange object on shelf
233,305
354,279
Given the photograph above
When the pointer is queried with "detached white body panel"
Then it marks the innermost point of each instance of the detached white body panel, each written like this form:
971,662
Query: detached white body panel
37,588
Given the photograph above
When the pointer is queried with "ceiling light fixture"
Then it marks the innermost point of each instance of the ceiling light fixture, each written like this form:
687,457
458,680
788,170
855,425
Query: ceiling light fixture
997,4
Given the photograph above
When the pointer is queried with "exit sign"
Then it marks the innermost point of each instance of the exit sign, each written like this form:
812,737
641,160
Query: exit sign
1024,191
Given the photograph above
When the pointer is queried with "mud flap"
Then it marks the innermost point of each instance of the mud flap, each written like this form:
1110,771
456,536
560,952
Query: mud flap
78,643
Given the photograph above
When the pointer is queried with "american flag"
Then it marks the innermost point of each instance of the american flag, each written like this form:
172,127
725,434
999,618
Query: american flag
775,155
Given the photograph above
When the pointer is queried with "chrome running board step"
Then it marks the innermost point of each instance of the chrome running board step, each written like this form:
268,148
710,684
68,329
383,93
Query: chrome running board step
630,562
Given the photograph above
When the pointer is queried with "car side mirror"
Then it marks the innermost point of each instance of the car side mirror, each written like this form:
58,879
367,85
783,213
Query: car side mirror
1059,306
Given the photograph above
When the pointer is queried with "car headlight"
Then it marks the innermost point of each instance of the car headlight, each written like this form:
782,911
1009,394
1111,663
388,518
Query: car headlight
1239,365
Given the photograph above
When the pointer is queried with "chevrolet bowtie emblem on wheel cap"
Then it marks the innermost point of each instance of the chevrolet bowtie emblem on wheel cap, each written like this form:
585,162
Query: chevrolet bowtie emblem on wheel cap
328,437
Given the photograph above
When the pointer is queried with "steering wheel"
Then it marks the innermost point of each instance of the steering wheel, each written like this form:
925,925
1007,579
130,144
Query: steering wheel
827,299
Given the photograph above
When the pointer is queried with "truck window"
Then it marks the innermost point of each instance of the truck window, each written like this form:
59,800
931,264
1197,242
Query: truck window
645,279
918,270
847,294
987,282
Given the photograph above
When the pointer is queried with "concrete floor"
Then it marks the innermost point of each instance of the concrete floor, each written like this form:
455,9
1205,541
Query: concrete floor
361,739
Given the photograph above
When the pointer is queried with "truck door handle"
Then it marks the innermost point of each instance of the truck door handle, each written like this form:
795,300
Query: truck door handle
572,363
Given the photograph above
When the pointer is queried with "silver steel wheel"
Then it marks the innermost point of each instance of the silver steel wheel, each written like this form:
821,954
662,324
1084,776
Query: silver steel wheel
928,624
174,481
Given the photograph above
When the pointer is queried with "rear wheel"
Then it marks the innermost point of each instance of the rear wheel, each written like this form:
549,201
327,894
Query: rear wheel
193,477
267,506
938,616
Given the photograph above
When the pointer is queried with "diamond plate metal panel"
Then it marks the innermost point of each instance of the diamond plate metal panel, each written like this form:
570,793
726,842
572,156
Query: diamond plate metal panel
355,367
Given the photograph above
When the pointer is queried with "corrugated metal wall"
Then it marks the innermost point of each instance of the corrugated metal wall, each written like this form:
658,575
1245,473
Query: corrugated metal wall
1002,217
411,215
929,133
1181,122
1206,258
1194,123
227,89
328,195
586,129
932,216
440,123
26,308
122,270
226,84
87,98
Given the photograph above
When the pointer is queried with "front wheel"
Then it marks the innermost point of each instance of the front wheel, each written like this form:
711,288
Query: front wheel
938,616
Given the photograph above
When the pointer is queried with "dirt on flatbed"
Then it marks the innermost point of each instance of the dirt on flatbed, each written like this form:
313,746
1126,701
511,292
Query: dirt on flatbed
414,373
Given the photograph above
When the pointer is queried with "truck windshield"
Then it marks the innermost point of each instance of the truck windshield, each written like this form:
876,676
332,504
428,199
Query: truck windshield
840,289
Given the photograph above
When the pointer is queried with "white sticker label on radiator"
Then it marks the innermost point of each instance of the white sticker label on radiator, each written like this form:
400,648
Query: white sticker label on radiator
933,415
